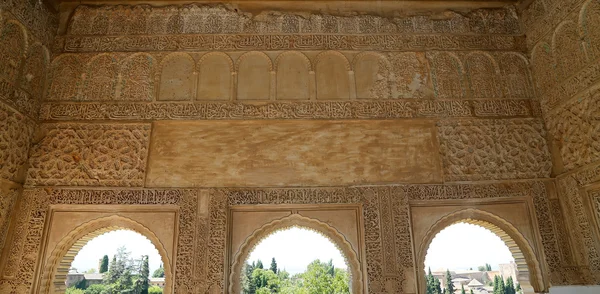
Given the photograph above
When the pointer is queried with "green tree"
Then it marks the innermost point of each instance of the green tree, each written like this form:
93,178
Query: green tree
430,282
518,288
510,286
159,272
449,285
103,264
248,287
143,282
155,290
481,268
488,267
496,285
317,279
96,289
73,290
471,291
462,289
259,264
273,265
341,281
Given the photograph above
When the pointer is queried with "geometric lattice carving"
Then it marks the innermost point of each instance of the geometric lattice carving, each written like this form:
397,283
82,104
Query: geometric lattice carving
15,136
494,149
98,154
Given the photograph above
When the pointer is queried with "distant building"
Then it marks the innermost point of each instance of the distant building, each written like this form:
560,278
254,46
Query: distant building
90,279
160,282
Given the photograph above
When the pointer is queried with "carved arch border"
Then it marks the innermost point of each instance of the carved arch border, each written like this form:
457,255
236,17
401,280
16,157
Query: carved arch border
296,220
525,257
58,261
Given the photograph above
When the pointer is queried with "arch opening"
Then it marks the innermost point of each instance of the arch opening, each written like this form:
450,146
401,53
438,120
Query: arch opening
347,256
58,274
522,266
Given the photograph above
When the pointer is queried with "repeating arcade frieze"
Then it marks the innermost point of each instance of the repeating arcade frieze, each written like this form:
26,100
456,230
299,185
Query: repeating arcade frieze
90,155
271,42
406,108
289,76
221,19
542,16
493,149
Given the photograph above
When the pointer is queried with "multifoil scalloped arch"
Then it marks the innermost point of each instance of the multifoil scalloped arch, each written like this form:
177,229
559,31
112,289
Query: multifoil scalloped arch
296,220
60,259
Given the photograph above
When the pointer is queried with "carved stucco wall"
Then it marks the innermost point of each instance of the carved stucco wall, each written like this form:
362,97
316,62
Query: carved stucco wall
27,29
120,73
563,38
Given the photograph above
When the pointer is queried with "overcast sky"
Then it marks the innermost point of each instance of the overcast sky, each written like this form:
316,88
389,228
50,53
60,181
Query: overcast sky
460,246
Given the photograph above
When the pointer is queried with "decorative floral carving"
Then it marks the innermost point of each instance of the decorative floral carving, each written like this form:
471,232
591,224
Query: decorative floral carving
494,149
84,154
8,198
15,138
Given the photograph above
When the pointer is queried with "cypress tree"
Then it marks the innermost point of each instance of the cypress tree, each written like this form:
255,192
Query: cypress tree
144,275
103,264
259,264
430,283
488,267
471,291
501,287
510,286
273,265
462,289
518,288
496,285
437,287
449,285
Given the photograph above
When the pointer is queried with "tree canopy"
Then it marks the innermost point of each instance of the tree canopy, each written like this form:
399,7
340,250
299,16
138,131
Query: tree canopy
319,277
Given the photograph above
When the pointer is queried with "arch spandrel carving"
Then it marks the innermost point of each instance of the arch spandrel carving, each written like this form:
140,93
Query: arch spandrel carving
447,75
568,50
372,74
589,21
100,79
35,69
531,276
544,69
254,76
516,76
332,73
215,80
13,46
177,80
64,78
296,220
293,76
59,261
136,76
482,73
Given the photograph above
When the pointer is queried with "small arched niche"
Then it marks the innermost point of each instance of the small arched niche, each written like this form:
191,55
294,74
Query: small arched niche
296,221
55,271
528,268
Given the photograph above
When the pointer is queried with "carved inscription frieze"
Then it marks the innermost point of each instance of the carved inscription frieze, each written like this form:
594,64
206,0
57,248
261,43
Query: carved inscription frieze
15,139
220,19
494,149
408,108
90,154
268,42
